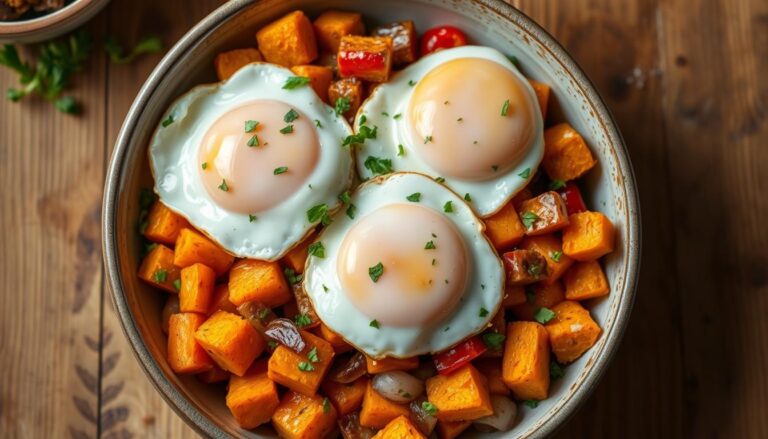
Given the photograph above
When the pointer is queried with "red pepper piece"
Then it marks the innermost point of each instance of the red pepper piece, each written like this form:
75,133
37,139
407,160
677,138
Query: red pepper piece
367,58
571,195
443,37
459,355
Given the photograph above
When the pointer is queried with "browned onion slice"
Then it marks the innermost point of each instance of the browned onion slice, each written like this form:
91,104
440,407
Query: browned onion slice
350,427
347,371
420,418
257,314
286,333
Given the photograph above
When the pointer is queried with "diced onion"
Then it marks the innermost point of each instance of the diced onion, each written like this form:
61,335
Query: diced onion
503,417
423,420
398,386
344,372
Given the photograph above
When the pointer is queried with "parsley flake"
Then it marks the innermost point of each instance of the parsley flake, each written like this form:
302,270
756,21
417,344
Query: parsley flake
467,197
440,179
288,129
414,197
319,213
302,320
168,120
430,245
483,312
292,277
525,174
177,284
295,82
555,256
326,406
555,370
253,141
224,186
430,408
290,116
351,211
250,125
493,340
280,170
505,108
374,324
531,403
160,275
363,119
204,166
345,197
427,139
306,366
400,150
543,315
378,166
448,207
364,132
529,218
316,249
252,218
376,271
341,106
318,124
556,184
312,355
397,116
411,82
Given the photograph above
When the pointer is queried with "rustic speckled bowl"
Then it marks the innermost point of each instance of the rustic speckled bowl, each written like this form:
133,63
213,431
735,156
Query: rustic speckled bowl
610,188
50,25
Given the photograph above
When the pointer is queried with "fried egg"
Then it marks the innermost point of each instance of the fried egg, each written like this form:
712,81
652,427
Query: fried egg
408,273
253,165
465,116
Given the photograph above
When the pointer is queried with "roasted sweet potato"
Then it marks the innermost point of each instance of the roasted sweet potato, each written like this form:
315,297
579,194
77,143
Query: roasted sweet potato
196,289
220,300
524,267
543,214
320,78
231,341
461,395
491,370
525,368
332,25
566,155
542,95
170,308
513,295
184,354
215,375
262,281
288,41
229,62
252,398
404,41
390,363
572,331
585,280
589,235
504,228
346,95
378,411
366,58
540,296
551,247
304,417
451,430
163,224
297,257
400,428
157,269
301,372
345,397
337,341
193,247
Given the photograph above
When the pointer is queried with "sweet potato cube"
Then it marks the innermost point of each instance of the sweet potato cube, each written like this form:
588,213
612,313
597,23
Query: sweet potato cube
541,296
589,235
451,430
542,95
543,214
193,247
551,247
229,62
220,300
196,288
491,370
366,58
378,411
525,367
337,341
461,395
304,417
252,398
184,354
390,363
163,224
504,227
231,341
304,314
157,269
288,41
401,428
320,78
297,257
262,281
521,196
170,308
404,40
585,280
524,267
332,25
513,295
566,155
215,375
349,91
302,372
345,397
572,331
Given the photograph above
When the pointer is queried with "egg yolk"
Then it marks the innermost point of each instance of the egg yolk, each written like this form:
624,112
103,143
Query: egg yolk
423,265
471,119
257,155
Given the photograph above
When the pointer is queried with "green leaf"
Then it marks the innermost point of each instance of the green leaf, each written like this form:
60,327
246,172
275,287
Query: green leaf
66,104
290,116
531,403
555,256
253,141
430,245
543,315
177,284
528,219
224,186
306,366
376,271
556,184
317,249
467,198
345,197
374,324
319,213
414,197
160,275
400,150
448,207
483,312
556,370
378,166
326,406
148,44
525,174
341,106
250,125
252,218
351,211
295,82
292,277
288,129
280,170
302,320
505,108
494,340
430,408
364,132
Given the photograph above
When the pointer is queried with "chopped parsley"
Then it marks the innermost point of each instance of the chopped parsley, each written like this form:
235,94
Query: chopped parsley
525,174
306,366
411,82
505,108
363,120
374,324
326,406
427,139
319,213
376,271
378,165
169,120
543,315
317,249
555,256
532,403
483,312
400,150
556,184
493,340
290,116
295,82
351,211
467,197
292,277
341,106
397,116
302,320
288,129
528,219
252,218
363,133
250,125
204,166
223,186
318,124
448,207
440,179
325,288
430,408
312,355
385,114
280,170
555,370
345,197
253,141
177,284
414,197
160,275
535,270
430,245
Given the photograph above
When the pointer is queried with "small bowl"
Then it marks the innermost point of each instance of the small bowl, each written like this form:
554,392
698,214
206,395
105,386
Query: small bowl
50,25
610,187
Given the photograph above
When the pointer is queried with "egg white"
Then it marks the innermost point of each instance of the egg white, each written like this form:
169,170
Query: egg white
173,156
392,98
484,287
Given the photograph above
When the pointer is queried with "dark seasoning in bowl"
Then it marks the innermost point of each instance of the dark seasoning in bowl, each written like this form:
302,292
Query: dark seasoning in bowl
28,9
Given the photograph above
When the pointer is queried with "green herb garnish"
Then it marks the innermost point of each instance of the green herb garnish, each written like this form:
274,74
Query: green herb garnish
448,207
376,271
528,219
505,108
525,174
280,170
319,213
493,340
150,44
306,366
316,249
543,315
250,125
430,245
288,129
414,197
295,82
341,106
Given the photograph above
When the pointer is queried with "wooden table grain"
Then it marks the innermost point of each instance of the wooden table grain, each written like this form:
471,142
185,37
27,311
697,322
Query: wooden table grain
686,80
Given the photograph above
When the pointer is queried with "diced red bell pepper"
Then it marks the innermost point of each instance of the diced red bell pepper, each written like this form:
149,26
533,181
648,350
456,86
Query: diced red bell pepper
571,194
443,37
367,58
459,355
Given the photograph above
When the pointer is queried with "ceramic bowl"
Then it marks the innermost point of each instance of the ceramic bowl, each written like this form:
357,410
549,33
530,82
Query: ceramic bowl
610,187
50,25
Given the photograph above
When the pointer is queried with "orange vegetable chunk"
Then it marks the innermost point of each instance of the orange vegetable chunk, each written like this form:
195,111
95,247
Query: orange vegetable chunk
345,397
566,155
332,25
461,395
337,341
542,95
513,295
229,62
451,430
184,354
399,428
347,88
551,247
252,398
262,281
524,267
491,370
288,41
304,417
390,363
163,224
301,372
231,341
588,236
543,214
170,308
572,331
193,247
158,270
215,375
196,288
320,78
504,228
378,411
404,40
220,300
543,296
525,367
585,280
354,48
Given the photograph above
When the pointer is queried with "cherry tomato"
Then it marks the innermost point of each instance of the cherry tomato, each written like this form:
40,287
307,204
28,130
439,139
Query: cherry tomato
459,355
571,195
442,37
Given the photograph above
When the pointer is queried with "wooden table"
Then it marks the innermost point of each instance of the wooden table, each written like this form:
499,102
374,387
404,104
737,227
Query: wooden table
682,78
